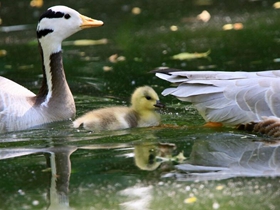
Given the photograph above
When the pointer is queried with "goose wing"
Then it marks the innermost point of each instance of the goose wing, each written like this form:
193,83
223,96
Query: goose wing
13,103
9,87
231,98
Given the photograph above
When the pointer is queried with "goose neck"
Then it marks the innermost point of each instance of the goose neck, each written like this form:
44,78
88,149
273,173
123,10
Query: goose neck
54,87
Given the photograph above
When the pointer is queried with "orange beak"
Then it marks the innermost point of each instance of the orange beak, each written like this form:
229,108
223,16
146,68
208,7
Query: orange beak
89,22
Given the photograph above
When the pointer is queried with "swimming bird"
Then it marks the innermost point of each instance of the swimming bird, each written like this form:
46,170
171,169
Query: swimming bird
141,113
19,107
229,98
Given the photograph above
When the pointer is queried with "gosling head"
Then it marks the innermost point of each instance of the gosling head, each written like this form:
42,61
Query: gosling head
59,22
145,156
145,99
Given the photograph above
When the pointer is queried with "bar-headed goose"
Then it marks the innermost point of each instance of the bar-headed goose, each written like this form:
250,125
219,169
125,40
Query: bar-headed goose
230,98
141,113
20,108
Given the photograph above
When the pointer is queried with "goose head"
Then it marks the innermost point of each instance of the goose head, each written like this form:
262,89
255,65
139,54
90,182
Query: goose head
60,22
56,24
145,99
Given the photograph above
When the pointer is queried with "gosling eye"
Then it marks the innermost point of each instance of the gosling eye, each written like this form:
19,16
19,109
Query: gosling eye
67,16
148,97
151,159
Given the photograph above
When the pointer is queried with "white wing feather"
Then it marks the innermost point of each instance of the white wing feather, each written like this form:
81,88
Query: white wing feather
231,98
9,87
10,95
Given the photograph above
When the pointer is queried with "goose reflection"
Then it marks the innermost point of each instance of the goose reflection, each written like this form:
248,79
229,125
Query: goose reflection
225,158
58,160
59,165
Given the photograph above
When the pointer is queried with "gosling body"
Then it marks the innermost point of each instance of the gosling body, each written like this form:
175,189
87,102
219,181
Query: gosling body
141,113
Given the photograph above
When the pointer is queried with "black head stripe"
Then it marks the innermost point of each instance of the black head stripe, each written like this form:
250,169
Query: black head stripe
51,14
43,32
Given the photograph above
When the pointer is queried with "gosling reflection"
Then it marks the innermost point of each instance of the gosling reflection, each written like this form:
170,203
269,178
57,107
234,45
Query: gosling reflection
149,156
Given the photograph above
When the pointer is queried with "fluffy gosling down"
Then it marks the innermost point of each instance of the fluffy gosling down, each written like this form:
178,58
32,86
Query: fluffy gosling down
141,113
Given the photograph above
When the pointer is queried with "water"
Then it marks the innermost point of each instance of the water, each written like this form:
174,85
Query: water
223,168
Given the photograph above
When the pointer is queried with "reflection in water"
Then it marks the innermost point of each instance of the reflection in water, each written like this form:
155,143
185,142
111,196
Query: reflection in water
149,156
58,159
208,159
16,28
216,159
140,197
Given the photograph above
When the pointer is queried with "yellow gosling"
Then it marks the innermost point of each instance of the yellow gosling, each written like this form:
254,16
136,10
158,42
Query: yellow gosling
141,113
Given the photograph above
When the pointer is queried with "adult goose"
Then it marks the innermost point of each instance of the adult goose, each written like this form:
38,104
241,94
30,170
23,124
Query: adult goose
20,108
230,98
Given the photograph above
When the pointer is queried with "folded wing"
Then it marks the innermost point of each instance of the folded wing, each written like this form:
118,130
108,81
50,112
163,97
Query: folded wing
231,98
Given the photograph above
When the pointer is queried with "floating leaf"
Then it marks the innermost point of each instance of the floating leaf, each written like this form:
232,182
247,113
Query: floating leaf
16,28
204,16
190,200
203,2
136,10
276,60
3,53
23,67
276,5
174,28
190,56
220,187
207,67
36,3
107,68
235,26
85,42
115,58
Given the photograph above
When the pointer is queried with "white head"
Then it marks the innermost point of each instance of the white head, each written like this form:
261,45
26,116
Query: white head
59,22
56,24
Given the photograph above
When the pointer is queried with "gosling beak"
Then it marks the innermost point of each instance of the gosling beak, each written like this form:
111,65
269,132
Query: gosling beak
89,22
159,104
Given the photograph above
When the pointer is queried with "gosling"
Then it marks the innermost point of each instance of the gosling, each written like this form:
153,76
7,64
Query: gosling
141,113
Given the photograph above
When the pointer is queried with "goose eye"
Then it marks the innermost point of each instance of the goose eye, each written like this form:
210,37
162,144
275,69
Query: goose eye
148,97
67,16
